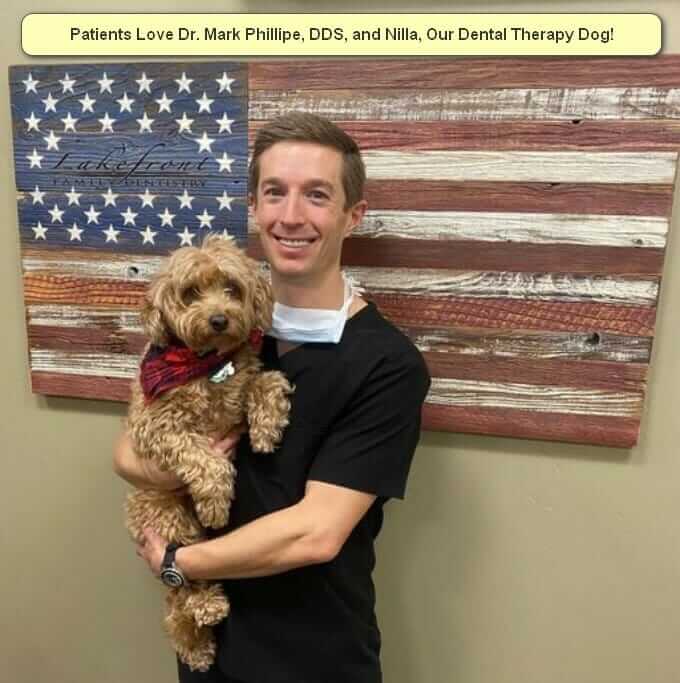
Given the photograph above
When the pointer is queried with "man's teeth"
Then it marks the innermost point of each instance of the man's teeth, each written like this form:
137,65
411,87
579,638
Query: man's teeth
294,243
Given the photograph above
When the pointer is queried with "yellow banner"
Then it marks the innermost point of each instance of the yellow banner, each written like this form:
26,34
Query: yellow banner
341,35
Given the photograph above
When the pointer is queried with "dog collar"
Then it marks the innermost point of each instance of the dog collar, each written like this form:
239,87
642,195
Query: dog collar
165,368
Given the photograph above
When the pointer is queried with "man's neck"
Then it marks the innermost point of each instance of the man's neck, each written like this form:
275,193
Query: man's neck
326,292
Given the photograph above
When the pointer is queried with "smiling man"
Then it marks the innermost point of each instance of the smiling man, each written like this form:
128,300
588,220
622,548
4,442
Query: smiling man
297,556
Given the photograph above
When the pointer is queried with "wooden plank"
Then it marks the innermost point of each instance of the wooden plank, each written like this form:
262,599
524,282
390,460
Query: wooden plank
534,345
534,228
81,386
556,167
517,315
67,289
574,134
101,364
467,72
48,322
84,340
583,375
444,195
433,282
523,396
621,432
389,252
473,104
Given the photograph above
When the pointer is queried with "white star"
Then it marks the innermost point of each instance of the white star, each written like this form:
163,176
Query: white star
73,196
184,123
50,103
67,84
204,142
105,83
184,83
33,122
129,216
145,124
125,103
109,198
225,82
166,217
35,159
92,215
38,196
206,219
107,123
87,103
185,200
225,162
186,237
56,214
164,103
148,235
111,234
75,232
144,83
40,232
147,198
52,141
30,84
204,103
69,122
225,201
225,123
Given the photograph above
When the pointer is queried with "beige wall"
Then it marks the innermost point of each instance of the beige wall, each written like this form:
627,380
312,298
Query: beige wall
510,561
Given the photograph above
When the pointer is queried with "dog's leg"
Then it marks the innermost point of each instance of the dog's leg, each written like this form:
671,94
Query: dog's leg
267,407
210,478
194,644
206,602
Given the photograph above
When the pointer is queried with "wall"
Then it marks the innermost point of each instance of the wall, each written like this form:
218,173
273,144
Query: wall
509,561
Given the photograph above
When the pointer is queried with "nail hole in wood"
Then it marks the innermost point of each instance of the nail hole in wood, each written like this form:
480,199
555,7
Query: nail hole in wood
576,121
133,270
593,339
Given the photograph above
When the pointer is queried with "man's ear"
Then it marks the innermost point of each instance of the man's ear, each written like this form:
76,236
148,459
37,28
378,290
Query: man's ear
151,315
356,216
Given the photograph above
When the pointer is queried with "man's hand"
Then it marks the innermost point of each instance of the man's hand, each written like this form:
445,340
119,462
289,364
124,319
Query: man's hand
225,444
151,550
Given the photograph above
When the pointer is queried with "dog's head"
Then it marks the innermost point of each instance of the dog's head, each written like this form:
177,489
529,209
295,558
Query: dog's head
210,297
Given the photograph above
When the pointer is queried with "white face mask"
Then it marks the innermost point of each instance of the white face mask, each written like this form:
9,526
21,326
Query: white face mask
312,324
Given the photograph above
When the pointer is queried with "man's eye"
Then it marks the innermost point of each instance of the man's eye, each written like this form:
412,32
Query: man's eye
273,191
189,295
317,194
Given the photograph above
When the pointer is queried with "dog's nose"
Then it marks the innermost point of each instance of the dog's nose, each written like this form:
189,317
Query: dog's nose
218,323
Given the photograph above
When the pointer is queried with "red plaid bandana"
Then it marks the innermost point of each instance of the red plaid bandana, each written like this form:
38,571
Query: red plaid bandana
167,367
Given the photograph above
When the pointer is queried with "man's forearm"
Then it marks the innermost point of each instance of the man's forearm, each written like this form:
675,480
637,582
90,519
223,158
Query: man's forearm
271,544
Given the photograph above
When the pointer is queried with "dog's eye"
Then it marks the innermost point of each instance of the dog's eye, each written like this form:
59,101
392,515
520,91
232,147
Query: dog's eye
233,290
189,295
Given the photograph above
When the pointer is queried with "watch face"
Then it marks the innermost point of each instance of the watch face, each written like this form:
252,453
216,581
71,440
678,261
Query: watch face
171,577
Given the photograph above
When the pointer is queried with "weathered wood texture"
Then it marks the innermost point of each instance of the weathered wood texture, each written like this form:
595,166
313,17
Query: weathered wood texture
519,215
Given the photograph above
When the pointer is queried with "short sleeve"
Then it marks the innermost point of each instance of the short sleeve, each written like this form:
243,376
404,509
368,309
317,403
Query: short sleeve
371,444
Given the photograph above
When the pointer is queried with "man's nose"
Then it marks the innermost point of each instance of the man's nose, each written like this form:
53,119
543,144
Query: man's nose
292,211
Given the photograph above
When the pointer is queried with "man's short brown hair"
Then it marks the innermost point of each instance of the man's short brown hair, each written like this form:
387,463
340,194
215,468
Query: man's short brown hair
304,127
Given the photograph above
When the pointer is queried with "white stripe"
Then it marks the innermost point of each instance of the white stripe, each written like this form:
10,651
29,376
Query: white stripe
433,282
535,228
549,167
119,365
549,399
77,316
470,104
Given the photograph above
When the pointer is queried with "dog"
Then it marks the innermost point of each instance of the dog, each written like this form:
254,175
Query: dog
204,313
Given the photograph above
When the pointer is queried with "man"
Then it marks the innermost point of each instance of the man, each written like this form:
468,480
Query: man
297,555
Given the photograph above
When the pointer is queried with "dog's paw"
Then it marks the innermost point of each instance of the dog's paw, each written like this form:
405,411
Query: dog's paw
213,612
262,442
212,512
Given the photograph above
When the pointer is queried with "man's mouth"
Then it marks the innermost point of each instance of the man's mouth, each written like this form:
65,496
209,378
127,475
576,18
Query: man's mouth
294,243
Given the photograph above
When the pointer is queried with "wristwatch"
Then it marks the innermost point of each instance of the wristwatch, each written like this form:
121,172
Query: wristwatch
171,574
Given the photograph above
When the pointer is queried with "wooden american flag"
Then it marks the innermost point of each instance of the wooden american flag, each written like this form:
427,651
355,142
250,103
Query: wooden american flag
518,217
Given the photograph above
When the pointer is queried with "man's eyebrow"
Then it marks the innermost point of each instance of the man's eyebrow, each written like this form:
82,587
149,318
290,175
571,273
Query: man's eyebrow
312,182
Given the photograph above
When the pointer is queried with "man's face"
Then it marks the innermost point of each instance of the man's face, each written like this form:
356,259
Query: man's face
299,209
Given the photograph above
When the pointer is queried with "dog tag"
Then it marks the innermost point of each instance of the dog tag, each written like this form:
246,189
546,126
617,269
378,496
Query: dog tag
223,373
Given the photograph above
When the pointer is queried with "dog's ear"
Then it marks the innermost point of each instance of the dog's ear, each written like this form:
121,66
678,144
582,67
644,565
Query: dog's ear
151,314
263,301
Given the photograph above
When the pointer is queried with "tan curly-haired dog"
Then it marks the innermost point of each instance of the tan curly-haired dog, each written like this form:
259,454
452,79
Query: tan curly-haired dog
209,304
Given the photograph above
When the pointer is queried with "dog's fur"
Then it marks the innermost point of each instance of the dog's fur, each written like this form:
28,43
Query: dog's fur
174,430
